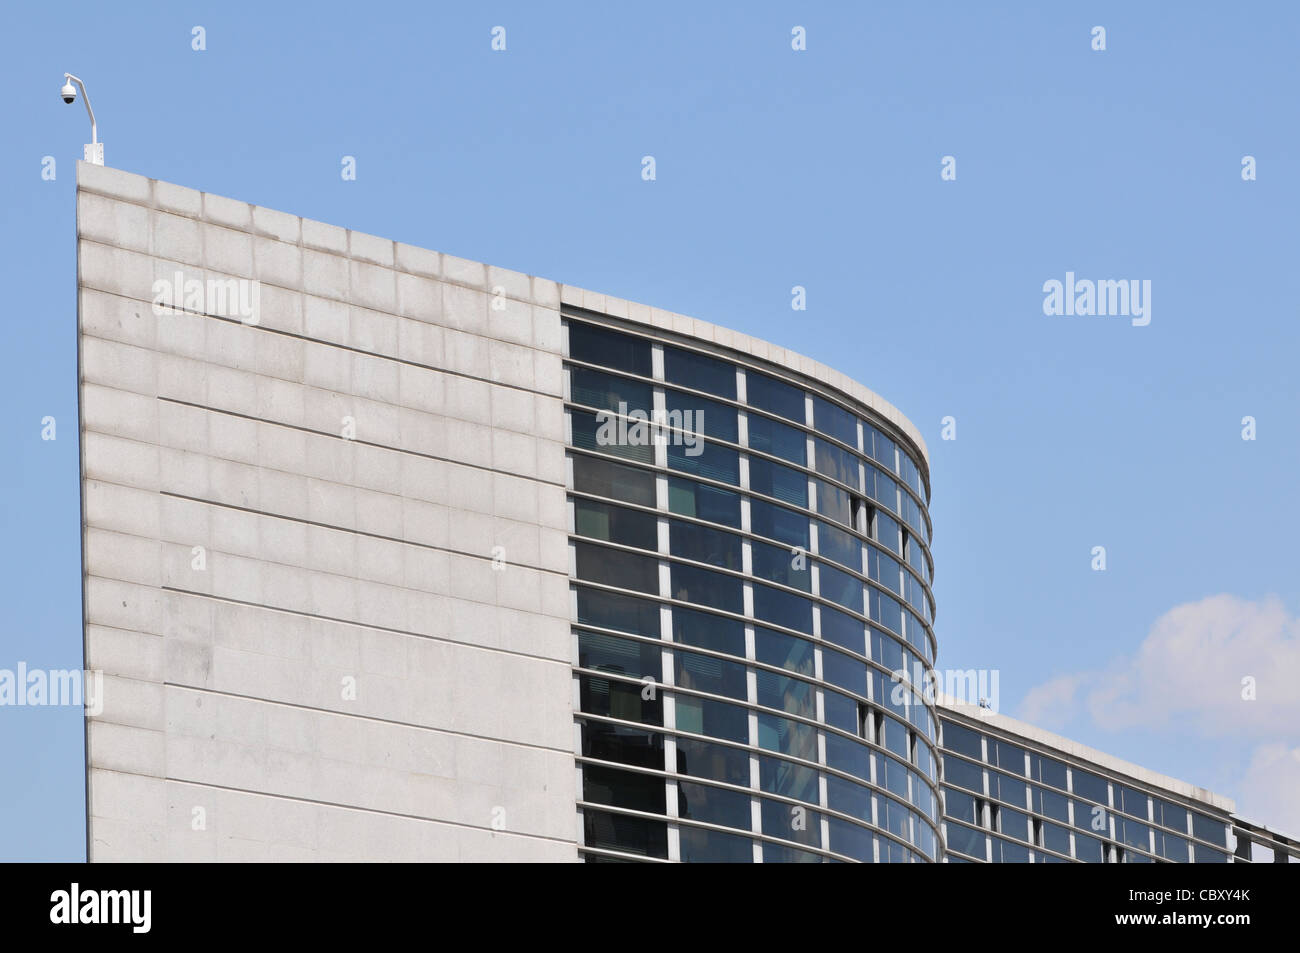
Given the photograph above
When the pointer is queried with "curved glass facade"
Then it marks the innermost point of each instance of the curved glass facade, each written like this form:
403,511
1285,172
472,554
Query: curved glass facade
751,574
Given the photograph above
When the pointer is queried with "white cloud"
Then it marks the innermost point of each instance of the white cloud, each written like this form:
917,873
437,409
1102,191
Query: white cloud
1185,684
1053,703
1194,673
1270,788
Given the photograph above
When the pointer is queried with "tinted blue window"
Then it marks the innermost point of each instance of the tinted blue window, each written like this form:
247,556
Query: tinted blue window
625,745
703,802
1009,789
1171,847
632,790
895,739
1089,849
780,440
886,610
834,503
1093,817
703,586
709,460
1013,823
841,711
606,436
883,569
777,522
702,844
960,806
609,348
879,447
615,524
787,736
836,463
966,841
1057,838
790,822
1006,852
779,853
843,630
847,797
617,481
839,545
688,498
1006,756
963,774
772,479
888,532
700,372
895,817
778,776
1050,804
850,840
1133,834
778,564
1130,801
839,587
708,673
698,415
616,699
882,489
785,651
702,544
916,558
888,652
912,476
705,759
617,568
1090,786
847,755
844,671
782,608
894,695
1170,815
774,396
708,631
626,833
612,610
620,656
717,719
895,777
607,391
835,421
1207,829
785,693
913,517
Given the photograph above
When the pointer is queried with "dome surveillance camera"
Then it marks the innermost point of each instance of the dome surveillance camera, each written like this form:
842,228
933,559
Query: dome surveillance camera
68,92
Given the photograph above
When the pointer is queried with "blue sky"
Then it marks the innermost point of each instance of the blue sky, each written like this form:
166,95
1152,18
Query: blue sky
778,168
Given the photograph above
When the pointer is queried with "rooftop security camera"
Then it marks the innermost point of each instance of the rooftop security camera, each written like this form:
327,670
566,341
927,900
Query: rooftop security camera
94,149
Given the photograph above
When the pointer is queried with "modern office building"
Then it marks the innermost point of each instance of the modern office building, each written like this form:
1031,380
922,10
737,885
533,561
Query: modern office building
749,571
1014,793
390,555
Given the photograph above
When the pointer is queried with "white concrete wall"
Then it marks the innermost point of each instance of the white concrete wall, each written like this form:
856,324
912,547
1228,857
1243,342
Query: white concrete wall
326,558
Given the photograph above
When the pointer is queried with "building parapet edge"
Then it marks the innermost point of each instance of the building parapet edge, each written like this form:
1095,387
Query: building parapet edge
1080,752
